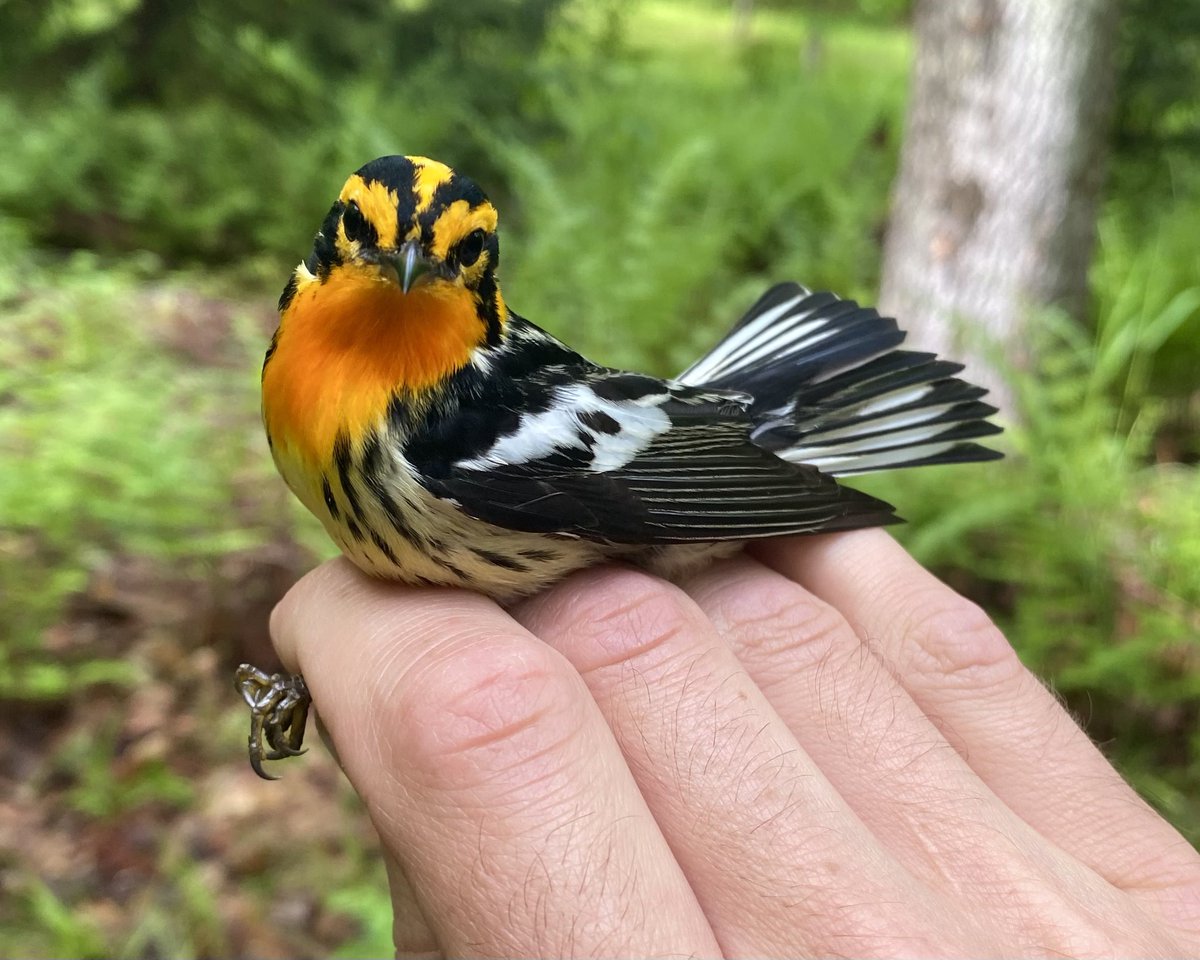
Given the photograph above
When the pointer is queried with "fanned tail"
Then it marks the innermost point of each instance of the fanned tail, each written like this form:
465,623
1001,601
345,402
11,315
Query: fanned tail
831,390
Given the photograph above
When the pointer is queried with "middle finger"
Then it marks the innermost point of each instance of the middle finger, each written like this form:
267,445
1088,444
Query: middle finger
778,860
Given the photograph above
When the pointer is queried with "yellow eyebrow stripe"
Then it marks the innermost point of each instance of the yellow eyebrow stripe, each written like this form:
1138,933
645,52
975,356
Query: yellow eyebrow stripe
378,205
456,221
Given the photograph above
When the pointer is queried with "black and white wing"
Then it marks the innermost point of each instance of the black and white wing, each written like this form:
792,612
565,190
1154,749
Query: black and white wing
832,388
625,458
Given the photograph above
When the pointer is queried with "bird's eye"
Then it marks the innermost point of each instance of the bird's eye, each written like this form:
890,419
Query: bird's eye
471,247
356,226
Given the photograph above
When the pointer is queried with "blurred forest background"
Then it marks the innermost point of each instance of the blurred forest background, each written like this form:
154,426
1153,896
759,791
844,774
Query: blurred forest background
657,163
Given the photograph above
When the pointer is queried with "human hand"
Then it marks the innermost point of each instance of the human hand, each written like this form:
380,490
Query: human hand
816,750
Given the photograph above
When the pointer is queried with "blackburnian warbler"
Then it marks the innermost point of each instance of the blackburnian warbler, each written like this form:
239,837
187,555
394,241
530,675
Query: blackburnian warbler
444,440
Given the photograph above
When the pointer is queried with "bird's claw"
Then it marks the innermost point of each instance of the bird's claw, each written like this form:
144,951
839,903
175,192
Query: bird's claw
278,705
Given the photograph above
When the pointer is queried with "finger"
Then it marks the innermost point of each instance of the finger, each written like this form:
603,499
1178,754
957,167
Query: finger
1012,731
779,862
893,766
489,773
411,934
852,716
413,938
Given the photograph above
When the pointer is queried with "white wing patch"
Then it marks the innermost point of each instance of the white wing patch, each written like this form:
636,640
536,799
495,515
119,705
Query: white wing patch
562,427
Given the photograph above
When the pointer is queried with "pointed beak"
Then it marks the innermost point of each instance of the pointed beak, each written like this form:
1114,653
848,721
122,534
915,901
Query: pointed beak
411,264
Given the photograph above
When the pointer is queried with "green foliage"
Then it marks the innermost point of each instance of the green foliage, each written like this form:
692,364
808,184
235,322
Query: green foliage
1148,285
369,902
893,12
1158,61
108,445
214,129
653,220
99,791
1082,545
56,929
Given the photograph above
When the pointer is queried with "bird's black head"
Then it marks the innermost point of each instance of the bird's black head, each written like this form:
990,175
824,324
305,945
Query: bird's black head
411,220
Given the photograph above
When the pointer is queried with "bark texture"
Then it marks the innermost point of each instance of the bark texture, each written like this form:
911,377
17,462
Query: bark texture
994,210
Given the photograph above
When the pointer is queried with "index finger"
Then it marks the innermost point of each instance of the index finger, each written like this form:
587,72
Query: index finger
488,771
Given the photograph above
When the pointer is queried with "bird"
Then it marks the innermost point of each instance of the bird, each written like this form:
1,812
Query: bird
444,440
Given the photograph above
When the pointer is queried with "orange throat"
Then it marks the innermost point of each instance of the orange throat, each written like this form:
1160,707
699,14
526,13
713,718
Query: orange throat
347,345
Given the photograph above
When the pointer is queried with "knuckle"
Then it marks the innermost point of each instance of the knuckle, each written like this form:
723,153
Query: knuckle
625,616
770,620
1171,874
474,714
1052,923
953,640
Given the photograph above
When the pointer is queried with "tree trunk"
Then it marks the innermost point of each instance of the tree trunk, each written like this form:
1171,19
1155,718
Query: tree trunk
994,210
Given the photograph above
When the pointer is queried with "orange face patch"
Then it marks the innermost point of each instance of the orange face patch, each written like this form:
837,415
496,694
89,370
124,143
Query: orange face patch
347,345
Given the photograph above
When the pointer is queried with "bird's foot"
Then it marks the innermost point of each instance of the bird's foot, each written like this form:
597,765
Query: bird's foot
278,705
